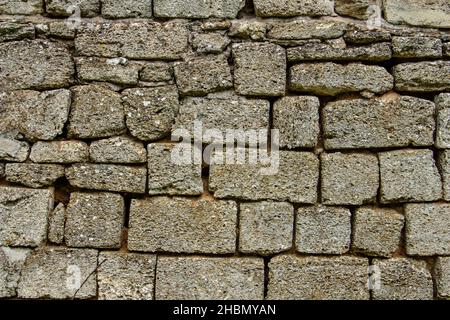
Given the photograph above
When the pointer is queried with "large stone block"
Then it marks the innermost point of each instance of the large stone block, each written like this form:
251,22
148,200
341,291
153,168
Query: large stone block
65,8
435,14
121,149
116,70
197,8
442,275
68,151
292,8
114,9
22,7
416,47
426,76
444,165
33,175
11,263
443,121
306,29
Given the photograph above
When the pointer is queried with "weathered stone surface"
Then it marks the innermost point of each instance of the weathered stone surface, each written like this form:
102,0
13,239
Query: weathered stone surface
377,231
254,30
265,227
418,12
310,51
157,72
409,176
116,70
318,278
209,42
114,9
68,151
295,179
307,29
36,64
13,150
332,79
95,220
443,121
416,47
182,225
56,222
33,175
11,263
65,8
61,29
197,8
357,34
118,150
323,230
22,7
183,278
359,9
297,118
444,164
427,226
446,49
400,121
292,8
427,76
139,40
15,31
2,170
58,273
150,112
442,274
24,216
349,179
260,69
403,279
167,177
126,276
96,112
108,177
201,75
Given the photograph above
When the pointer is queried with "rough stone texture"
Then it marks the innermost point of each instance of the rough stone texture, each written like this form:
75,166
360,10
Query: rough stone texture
183,278
167,177
182,225
444,164
22,7
377,231
15,31
209,42
443,121
428,76
446,49
292,8
332,79
156,72
126,276
108,177
253,30
90,104
70,151
56,222
297,118
2,170
150,112
318,278
201,75
95,220
323,230
349,179
359,9
116,70
113,9
296,180
427,226
64,8
197,8
360,35
306,29
24,216
11,263
118,150
60,29
409,176
403,279
442,274
53,273
37,64
416,47
418,13
33,175
265,227
13,150
399,121
260,69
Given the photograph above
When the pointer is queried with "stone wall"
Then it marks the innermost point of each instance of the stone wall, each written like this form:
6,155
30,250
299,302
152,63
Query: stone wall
92,204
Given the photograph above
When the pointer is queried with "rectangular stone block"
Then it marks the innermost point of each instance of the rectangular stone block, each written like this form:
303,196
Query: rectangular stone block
182,225
11,263
56,222
157,72
33,175
303,29
209,42
2,170
359,9
115,70
293,8
434,14
114,9
318,278
426,76
184,278
442,274
69,151
121,149
446,49
65,8
360,35
16,31
444,165
61,29
22,7
13,150
194,9
443,121
416,47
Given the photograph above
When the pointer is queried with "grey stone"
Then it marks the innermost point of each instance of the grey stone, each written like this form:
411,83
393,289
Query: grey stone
58,273
349,179
113,9
33,175
295,179
197,8
96,112
416,47
359,35
332,79
11,263
359,9
427,76
167,177
427,226
265,227
397,121
34,64
443,121
126,276
117,70
209,42
403,279
377,231
323,230
2,170
13,150
65,8
444,164
201,75
409,176
215,24
61,29
22,7
292,8
24,215
259,69
157,72
307,29
442,275
108,177
95,220
446,49
150,112
118,150
203,278
253,30
15,31
318,278
56,222
297,118
182,225
434,14
68,151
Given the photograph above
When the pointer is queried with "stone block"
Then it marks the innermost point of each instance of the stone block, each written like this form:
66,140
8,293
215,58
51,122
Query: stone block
56,222
359,9
444,165
65,8
13,150
11,264
442,275
303,29
434,14
22,7
33,175
113,9
157,72
15,31
425,76
292,8
416,47
195,9
443,121
121,149
116,70
68,151
209,42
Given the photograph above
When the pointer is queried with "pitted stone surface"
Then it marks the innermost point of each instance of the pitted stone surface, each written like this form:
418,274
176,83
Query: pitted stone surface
359,9
11,264
197,8
114,9
444,164
303,29
13,150
16,31
70,151
434,14
416,47
428,76
292,8
442,273
116,70
56,222
33,175
22,7
118,150
443,121
65,8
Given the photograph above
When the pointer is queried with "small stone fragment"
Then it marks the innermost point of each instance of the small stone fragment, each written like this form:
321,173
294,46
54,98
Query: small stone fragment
56,222
118,150
68,151
443,121
33,175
